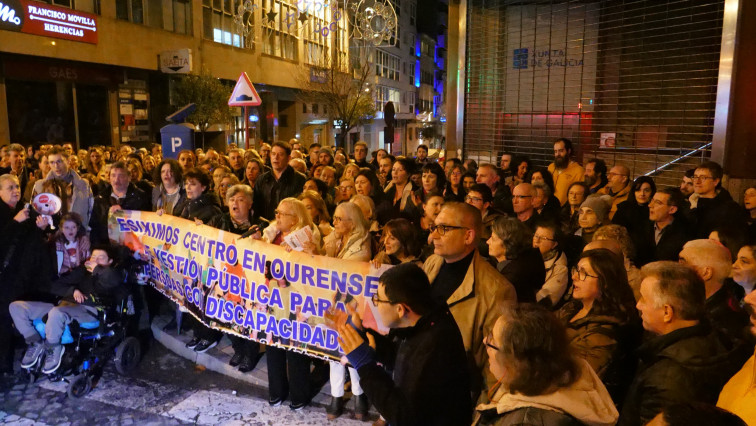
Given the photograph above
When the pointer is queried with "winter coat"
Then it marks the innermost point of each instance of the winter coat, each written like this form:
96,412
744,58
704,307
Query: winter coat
617,199
431,380
82,200
564,178
135,199
690,364
584,402
556,280
708,214
634,217
25,263
724,311
158,199
269,191
404,208
475,305
606,343
673,238
526,272
205,208
356,248
103,286
739,394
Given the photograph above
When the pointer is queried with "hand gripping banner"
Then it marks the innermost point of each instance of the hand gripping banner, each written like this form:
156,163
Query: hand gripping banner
246,287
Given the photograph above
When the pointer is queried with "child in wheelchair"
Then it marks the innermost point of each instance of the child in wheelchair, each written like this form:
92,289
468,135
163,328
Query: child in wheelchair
100,282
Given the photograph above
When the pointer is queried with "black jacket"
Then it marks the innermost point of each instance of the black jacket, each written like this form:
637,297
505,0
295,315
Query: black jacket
526,416
673,238
25,263
502,199
103,286
223,222
135,199
722,210
634,217
269,191
205,207
691,364
725,313
526,273
431,381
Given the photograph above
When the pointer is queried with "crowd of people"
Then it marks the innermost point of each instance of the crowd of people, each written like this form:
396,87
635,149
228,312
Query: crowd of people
559,295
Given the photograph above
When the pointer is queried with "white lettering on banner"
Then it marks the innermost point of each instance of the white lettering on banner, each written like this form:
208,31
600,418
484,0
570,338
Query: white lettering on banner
8,15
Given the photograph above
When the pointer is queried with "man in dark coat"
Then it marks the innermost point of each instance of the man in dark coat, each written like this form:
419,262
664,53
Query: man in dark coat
666,231
431,381
685,361
122,195
280,182
711,205
23,260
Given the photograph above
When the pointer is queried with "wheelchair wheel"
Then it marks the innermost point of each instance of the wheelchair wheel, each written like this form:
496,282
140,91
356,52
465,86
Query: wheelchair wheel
80,386
127,355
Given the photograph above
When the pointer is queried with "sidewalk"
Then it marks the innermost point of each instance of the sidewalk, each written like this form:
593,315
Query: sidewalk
217,358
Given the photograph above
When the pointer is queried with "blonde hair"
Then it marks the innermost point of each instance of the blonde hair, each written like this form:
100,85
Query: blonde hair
620,235
303,216
320,204
365,201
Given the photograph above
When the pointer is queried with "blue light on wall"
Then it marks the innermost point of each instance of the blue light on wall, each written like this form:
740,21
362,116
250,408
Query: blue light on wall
254,118
417,47
417,73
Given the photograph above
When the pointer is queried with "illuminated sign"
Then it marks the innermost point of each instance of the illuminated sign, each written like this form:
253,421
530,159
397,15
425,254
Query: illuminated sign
45,20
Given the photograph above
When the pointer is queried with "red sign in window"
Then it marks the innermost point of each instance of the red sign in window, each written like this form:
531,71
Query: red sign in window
42,19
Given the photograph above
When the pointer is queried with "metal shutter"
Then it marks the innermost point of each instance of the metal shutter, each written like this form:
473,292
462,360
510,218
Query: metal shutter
642,70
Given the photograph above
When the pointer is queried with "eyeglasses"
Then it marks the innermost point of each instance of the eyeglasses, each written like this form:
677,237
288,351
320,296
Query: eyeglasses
581,273
337,219
538,238
376,300
473,199
280,213
443,229
487,341
615,174
699,177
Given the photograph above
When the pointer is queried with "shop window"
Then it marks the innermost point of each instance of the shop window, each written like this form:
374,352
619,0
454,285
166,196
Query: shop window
218,22
171,15
279,36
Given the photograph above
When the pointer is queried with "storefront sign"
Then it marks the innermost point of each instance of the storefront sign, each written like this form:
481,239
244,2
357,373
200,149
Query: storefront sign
41,19
246,287
176,61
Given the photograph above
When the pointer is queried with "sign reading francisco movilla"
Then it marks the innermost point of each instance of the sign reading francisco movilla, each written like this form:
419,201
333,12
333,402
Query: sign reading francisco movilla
38,18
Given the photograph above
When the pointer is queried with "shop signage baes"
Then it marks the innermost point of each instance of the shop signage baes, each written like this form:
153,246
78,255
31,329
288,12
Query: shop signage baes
176,61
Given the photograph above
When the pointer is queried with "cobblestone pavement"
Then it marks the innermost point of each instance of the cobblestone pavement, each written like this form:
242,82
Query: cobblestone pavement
165,390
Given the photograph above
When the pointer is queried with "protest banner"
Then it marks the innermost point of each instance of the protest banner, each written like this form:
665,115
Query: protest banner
247,287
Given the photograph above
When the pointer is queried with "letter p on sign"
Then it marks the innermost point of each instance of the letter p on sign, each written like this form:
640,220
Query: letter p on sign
175,143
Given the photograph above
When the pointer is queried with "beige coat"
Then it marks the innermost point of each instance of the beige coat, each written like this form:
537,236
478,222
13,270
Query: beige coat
476,305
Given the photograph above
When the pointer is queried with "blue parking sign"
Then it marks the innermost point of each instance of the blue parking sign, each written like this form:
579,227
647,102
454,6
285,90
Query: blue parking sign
176,138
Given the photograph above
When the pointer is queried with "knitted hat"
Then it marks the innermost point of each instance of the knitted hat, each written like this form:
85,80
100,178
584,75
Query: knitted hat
327,151
600,204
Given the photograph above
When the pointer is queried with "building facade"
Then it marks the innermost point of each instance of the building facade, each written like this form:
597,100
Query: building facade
102,72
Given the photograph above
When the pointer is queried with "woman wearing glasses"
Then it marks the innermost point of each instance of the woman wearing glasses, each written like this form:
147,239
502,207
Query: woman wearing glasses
546,239
454,188
602,322
289,372
539,381
350,239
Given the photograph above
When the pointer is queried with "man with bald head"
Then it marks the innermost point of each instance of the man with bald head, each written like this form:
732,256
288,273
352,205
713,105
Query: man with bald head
461,278
618,187
711,261
522,204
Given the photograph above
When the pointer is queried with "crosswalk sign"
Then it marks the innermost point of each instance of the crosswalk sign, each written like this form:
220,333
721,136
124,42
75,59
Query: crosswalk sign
244,93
